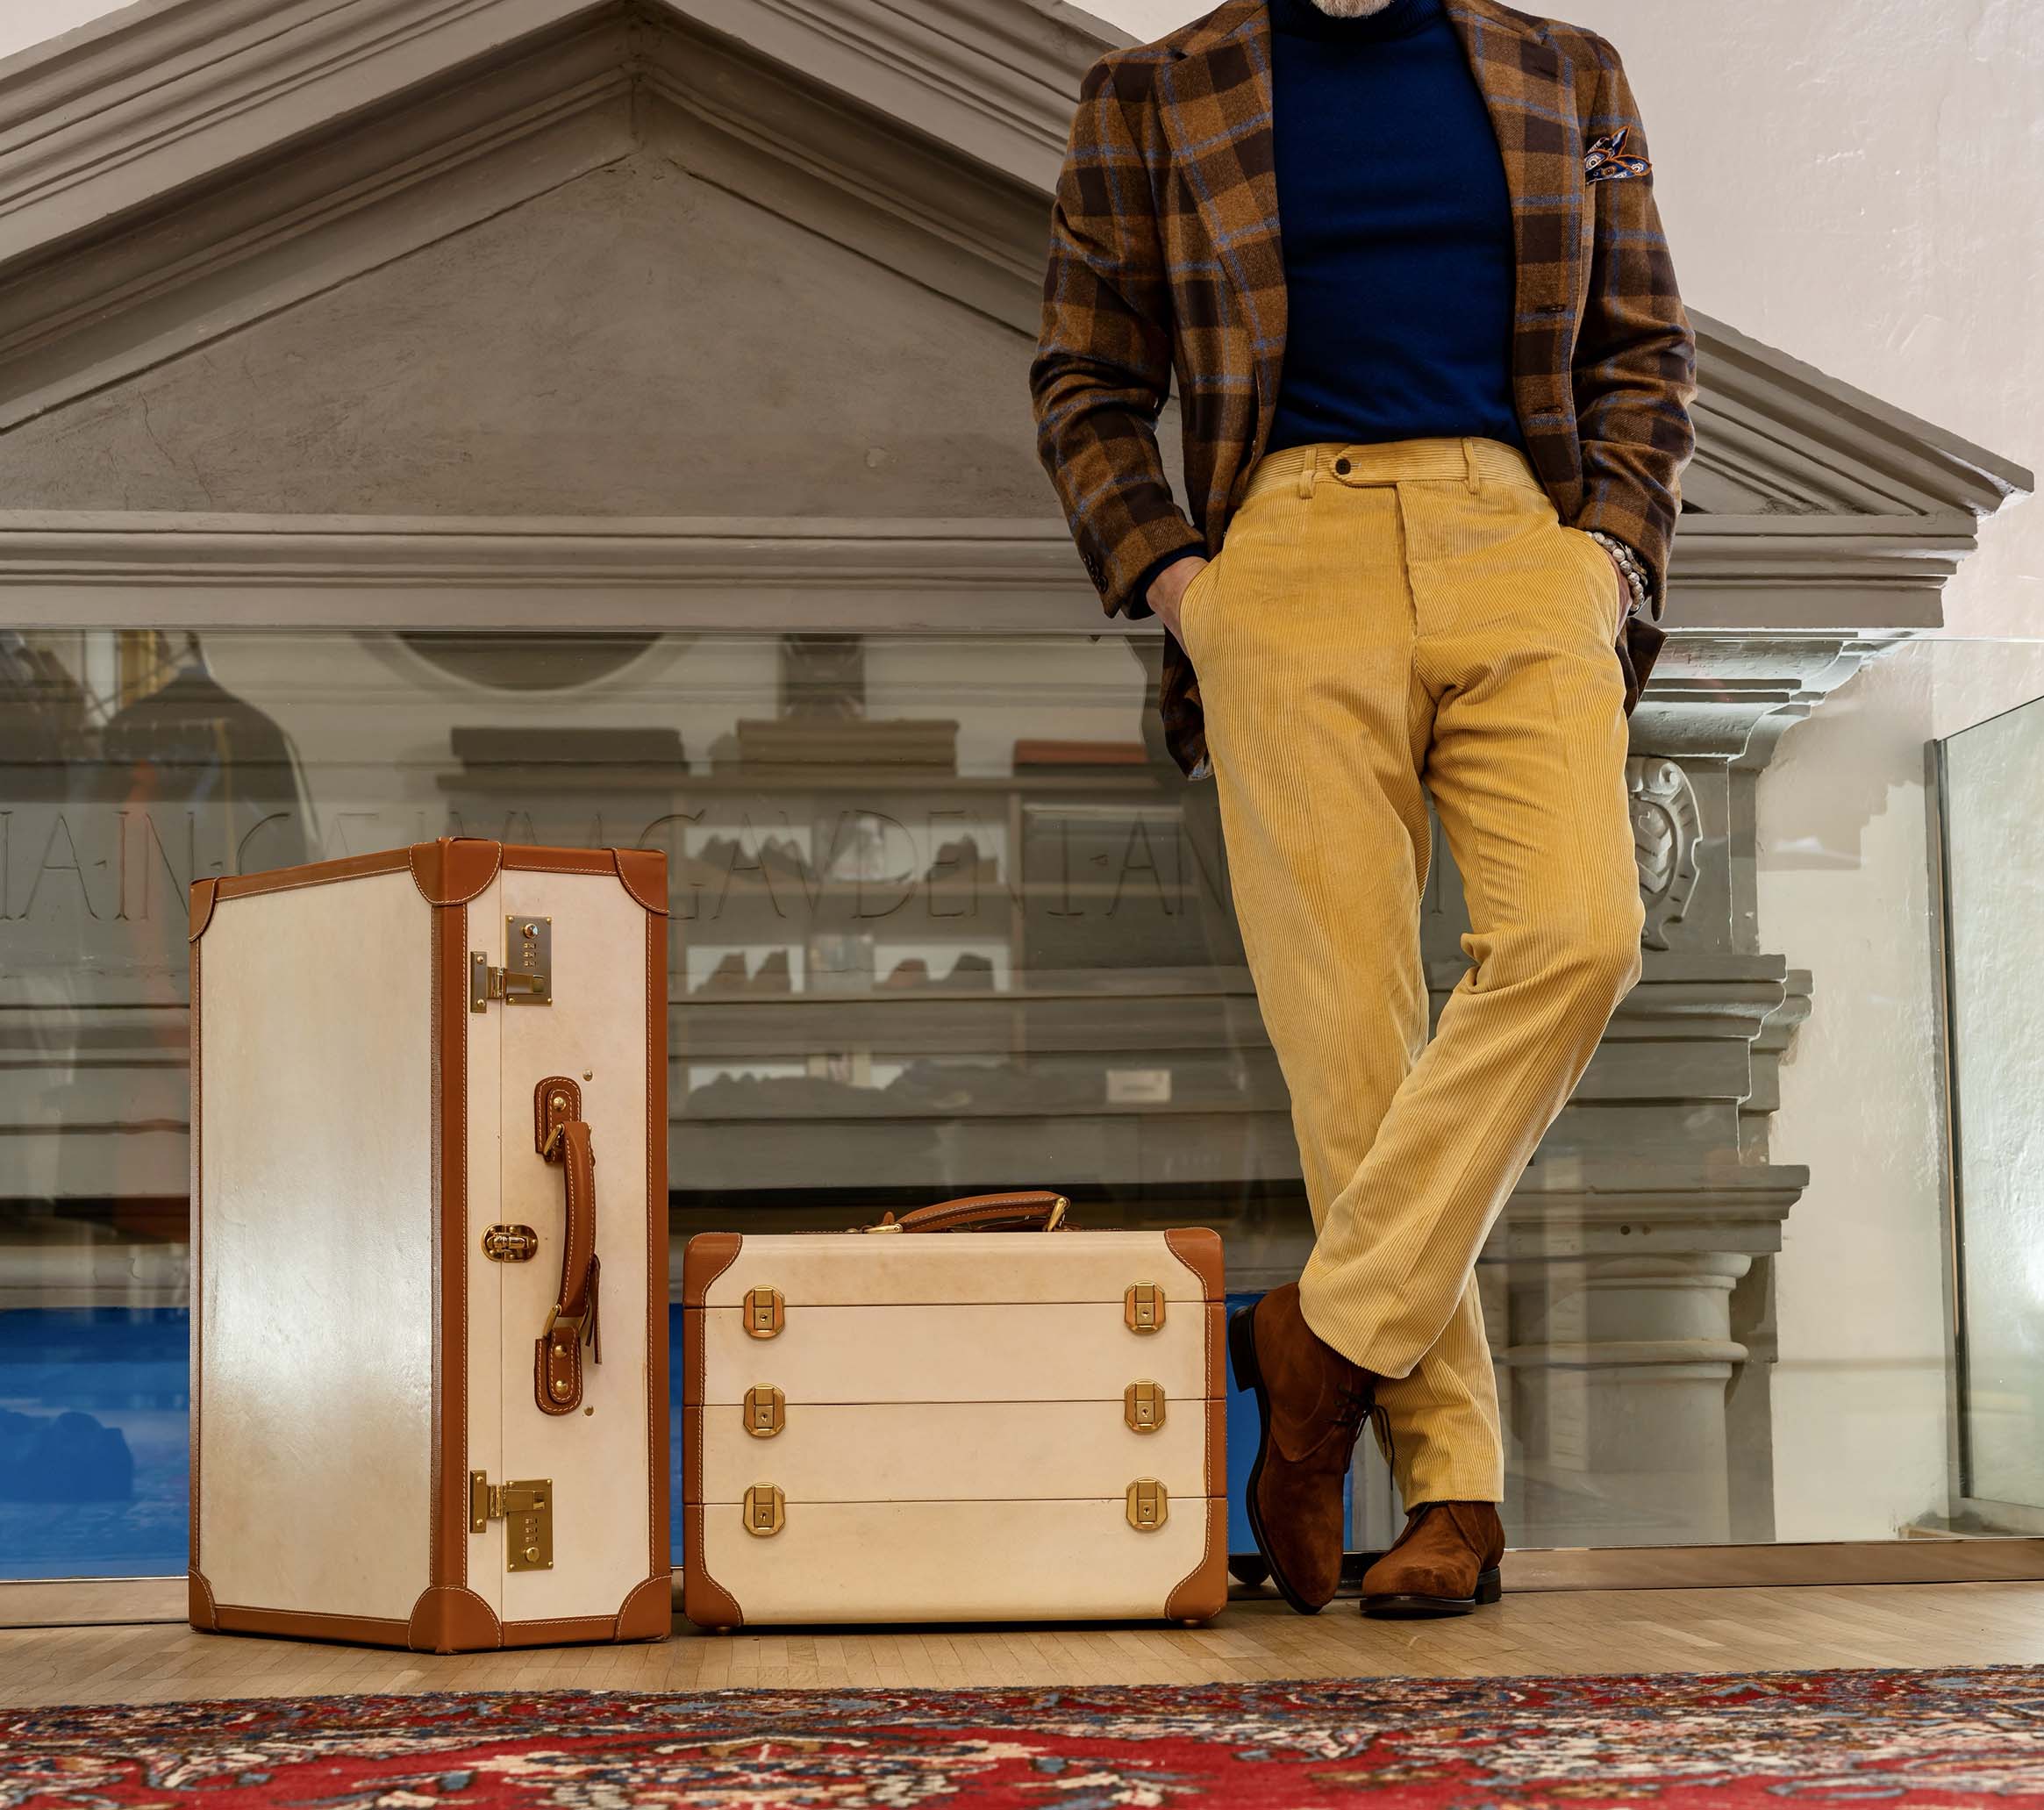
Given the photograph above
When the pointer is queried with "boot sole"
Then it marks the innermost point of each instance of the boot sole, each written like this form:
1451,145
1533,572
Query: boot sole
1249,1375
1404,1606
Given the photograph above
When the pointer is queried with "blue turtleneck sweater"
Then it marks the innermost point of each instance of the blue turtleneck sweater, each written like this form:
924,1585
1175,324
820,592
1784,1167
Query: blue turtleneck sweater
1395,222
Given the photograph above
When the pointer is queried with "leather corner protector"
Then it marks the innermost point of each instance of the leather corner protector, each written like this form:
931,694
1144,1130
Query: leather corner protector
706,1602
708,1255
642,872
649,1612
203,895
1199,1249
448,1619
1204,1594
199,1606
454,868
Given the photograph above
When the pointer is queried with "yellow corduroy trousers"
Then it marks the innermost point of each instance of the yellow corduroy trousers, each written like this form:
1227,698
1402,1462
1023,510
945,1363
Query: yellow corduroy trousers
1383,622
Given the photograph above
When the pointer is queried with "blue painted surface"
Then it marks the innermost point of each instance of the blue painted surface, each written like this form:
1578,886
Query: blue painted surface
94,1446
95,1461
1242,1453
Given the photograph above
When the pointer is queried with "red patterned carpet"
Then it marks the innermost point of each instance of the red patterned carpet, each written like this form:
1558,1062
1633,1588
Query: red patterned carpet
1917,1739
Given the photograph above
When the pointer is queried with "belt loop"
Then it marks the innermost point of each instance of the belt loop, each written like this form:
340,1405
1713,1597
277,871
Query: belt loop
1470,465
1308,470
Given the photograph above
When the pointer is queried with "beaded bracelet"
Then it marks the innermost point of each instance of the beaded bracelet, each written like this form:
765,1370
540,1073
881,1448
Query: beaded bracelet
1628,564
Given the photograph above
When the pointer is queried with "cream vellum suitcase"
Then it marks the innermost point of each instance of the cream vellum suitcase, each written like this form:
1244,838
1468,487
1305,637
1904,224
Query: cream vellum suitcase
972,1414
429,1249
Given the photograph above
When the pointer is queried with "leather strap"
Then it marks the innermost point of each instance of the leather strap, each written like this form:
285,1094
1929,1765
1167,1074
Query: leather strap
562,1136
1027,1210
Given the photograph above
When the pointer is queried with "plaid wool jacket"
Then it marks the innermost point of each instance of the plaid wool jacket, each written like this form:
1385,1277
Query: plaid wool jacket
1165,257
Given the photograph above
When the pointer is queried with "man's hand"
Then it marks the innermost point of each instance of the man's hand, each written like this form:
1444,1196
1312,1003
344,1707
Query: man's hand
1168,587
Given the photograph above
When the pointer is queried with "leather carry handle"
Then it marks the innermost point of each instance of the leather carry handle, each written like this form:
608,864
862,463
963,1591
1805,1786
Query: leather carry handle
562,1136
1028,1210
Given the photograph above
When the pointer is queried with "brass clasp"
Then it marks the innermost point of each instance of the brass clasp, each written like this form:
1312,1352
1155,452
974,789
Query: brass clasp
511,1244
1143,1307
526,1505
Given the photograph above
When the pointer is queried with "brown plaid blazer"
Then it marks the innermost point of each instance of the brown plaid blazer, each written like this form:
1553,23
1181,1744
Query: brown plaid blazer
1165,257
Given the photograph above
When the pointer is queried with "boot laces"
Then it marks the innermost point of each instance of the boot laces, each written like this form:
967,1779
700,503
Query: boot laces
1352,1402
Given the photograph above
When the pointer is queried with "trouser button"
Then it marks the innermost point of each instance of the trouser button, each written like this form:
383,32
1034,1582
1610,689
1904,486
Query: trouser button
1341,468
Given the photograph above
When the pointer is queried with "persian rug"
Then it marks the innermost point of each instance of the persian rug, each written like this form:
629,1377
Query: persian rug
1922,1739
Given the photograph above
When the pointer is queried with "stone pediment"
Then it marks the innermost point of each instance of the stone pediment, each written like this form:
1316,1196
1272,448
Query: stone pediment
329,269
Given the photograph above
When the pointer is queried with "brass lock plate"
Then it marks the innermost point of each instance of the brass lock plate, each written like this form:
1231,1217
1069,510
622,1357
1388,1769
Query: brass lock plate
1142,1307
526,977
765,1312
766,1511
766,1412
1149,1505
511,1244
526,1506
1142,1407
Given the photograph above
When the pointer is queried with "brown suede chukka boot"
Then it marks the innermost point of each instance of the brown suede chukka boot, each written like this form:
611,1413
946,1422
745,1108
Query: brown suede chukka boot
1311,1401
1446,1562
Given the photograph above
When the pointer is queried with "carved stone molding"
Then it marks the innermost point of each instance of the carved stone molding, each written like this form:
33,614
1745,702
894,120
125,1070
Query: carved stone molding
1665,828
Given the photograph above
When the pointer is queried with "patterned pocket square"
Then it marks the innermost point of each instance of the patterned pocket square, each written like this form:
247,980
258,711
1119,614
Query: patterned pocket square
1606,160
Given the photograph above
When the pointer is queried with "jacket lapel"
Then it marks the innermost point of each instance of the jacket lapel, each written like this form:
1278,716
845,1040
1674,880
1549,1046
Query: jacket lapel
1214,99
1528,86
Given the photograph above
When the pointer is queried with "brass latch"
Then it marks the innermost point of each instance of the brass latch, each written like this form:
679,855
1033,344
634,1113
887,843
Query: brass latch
1142,1306
765,1312
526,1505
1149,1505
1142,1407
511,1244
766,1511
766,1413
526,977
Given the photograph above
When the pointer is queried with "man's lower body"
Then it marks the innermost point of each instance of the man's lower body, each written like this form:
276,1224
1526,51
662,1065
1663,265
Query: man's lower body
1383,622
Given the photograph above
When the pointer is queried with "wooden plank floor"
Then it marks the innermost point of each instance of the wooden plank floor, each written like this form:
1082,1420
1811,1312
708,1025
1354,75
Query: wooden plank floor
1665,1630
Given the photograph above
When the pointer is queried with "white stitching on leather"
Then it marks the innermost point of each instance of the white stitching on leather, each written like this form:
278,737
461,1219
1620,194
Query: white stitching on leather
460,914
655,1229
692,1420
198,1299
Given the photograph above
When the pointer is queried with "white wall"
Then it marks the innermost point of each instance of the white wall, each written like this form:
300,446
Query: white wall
1858,182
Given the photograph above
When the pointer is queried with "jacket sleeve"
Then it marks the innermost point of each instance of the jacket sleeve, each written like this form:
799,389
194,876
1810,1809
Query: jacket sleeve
1103,363
1635,355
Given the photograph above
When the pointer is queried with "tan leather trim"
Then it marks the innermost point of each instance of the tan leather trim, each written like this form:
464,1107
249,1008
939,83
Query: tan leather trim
1203,1592
659,1539
199,1609
1042,1207
368,1630
197,1315
448,1489
453,870
704,1601
545,1115
199,908
642,872
448,1619
1199,1249
709,1255
649,1612
557,1353
561,1631
311,873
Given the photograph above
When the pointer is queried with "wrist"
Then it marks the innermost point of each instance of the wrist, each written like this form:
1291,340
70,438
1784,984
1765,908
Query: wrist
1630,566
